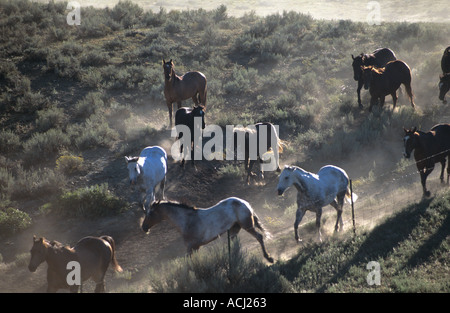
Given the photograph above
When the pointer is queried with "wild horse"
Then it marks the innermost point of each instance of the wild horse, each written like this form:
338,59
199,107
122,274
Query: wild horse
201,226
429,148
444,78
179,88
314,191
92,253
384,81
378,58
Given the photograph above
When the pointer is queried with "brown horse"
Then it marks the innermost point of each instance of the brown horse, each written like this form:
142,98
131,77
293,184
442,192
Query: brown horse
444,78
92,253
378,58
429,148
384,81
179,88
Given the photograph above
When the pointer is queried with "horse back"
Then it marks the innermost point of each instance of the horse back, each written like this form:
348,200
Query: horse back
94,255
442,137
381,57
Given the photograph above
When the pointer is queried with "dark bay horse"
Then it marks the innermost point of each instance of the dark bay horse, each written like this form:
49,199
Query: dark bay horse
378,58
444,78
429,148
384,81
92,253
188,117
179,88
254,149
201,226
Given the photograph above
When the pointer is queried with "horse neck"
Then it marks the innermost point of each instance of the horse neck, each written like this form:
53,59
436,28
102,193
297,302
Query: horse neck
58,256
301,177
175,214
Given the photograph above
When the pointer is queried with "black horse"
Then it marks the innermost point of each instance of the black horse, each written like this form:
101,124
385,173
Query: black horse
429,148
378,58
444,78
187,116
385,81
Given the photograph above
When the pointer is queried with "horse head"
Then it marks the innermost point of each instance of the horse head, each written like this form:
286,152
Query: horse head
38,253
367,75
356,64
444,86
152,216
409,141
285,180
168,69
134,169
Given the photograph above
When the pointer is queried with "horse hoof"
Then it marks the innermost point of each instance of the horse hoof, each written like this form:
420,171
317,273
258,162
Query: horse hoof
270,259
426,194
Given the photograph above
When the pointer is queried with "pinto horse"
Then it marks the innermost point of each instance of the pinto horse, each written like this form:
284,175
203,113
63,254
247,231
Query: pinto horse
179,88
314,191
429,148
201,226
444,78
384,81
188,117
92,253
378,58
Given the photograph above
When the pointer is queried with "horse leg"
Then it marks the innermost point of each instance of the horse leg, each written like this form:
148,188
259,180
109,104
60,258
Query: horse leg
249,170
336,204
252,231
169,106
423,179
195,98
298,218
234,230
442,171
162,185
410,94
394,98
358,91
318,217
382,100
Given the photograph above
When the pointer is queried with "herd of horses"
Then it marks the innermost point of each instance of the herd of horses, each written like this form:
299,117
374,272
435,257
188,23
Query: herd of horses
379,72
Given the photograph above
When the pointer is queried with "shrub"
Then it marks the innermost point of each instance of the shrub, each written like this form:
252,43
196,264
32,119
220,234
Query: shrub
12,221
93,201
43,145
210,270
9,141
50,118
69,164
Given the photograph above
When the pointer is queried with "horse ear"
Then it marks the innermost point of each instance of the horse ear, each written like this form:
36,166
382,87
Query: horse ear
171,62
405,130
414,129
353,57
164,62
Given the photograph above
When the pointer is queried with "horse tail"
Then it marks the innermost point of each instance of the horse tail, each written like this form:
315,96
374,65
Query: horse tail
350,196
114,262
261,227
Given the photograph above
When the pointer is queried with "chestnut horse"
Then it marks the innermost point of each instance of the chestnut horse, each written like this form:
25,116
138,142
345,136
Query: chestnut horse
444,78
378,58
429,148
384,81
179,88
92,253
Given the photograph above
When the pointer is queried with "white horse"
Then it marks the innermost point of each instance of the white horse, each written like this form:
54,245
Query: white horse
314,191
201,226
147,171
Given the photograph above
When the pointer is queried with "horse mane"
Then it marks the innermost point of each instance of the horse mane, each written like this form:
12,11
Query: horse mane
180,205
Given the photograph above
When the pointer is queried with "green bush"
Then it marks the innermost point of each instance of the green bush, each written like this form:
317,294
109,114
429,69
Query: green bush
42,146
88,202
9,141
12,221
210,270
